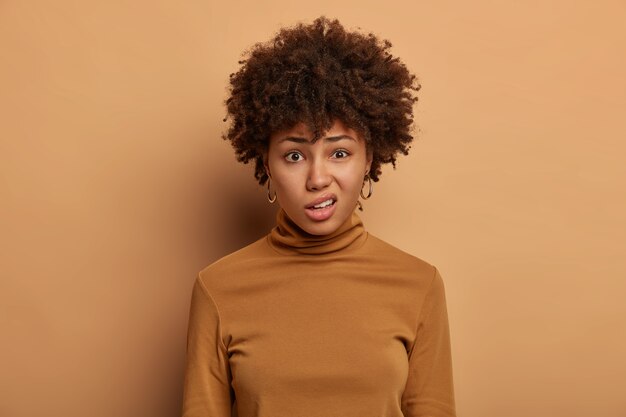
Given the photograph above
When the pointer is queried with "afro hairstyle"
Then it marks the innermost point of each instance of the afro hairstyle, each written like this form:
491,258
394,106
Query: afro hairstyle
314,74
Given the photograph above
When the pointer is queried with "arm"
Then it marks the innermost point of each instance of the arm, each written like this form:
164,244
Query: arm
207,391
429,390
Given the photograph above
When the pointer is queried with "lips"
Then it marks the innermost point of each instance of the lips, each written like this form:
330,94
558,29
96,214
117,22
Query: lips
324,213
321,199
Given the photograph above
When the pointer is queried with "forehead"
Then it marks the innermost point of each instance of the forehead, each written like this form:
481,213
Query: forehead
302,130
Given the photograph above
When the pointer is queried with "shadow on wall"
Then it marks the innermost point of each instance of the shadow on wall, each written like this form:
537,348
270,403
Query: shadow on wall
239,209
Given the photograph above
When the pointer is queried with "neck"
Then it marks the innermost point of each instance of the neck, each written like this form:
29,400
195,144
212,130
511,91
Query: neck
289,239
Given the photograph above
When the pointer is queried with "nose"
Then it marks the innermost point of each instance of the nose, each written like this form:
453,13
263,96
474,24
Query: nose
319,177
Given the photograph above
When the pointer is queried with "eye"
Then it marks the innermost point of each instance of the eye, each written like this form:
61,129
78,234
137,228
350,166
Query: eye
342,152
289,159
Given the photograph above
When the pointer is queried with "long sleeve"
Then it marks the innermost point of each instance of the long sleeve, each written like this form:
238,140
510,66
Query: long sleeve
429,390
207,391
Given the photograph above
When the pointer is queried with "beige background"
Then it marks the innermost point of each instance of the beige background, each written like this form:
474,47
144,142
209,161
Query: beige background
116,190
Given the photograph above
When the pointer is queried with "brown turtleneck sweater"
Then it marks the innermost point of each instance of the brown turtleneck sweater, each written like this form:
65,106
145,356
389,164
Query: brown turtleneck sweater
298,325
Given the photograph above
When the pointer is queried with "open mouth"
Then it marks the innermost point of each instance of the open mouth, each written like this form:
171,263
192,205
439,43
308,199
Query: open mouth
323,205
323,210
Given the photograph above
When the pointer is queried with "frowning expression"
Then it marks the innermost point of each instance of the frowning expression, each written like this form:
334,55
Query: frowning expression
329,171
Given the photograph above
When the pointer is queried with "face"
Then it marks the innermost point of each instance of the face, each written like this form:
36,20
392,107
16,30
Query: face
304,173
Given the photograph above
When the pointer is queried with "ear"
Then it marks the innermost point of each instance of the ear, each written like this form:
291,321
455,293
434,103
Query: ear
370,158
266,162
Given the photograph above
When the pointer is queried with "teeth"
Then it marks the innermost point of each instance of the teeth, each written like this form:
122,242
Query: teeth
324,204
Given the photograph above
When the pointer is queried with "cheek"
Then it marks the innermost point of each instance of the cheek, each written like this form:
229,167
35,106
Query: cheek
351,181
287,183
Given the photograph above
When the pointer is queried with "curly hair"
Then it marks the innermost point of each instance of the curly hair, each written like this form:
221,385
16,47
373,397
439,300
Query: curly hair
314,74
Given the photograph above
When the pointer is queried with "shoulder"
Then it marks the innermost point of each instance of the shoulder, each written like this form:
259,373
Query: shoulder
234,264
379,247
396,258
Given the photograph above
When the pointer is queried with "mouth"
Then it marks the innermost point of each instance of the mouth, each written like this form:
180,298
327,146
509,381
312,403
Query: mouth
322,208
322,202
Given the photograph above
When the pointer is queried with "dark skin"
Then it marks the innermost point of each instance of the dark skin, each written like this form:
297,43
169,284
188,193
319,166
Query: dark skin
302,171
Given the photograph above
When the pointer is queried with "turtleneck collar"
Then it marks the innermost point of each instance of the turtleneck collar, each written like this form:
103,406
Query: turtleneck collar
289,239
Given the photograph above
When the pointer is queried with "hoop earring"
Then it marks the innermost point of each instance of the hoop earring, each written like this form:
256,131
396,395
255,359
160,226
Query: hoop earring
369,194
271,200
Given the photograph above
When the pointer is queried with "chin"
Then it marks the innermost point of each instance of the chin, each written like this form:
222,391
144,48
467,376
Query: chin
322,228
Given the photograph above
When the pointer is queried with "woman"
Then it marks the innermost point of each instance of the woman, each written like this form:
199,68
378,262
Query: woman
319,317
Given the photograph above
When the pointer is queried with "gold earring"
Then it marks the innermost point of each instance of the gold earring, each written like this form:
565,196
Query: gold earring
271,200
369,194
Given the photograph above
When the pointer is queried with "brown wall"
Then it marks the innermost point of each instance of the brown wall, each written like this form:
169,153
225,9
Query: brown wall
114,193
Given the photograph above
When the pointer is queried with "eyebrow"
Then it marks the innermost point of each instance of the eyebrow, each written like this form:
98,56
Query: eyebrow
305,140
